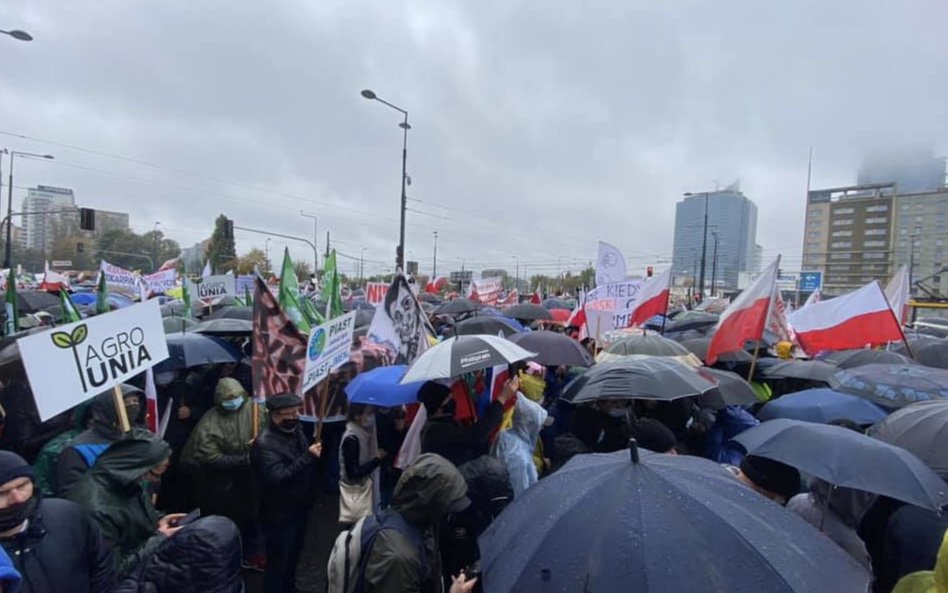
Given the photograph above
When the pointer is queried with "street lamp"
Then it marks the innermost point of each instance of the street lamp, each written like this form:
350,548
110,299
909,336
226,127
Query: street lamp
9,244
306,214
266,252
434,267
704,241
18,34
400,252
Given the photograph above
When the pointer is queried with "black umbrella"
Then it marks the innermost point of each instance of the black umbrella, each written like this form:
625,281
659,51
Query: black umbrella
528,312
915,341
662,523
656,378
556,304
456,307
646,345
10,351
921,428
695,320
427,297
31,301
360,306
231,313
892,385
178,324
484,325
191,350
850,359
809,370
553,348
731,389
934,354
847,458
224,327
363,317
699,347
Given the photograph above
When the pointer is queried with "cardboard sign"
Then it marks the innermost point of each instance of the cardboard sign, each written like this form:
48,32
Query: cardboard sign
160,282
327,349
610,306
71,363
213,287
375,292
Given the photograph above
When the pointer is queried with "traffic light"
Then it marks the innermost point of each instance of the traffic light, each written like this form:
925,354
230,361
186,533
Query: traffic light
648,272
87,219
228,228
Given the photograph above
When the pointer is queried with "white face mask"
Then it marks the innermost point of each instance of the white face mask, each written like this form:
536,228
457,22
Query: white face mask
165,379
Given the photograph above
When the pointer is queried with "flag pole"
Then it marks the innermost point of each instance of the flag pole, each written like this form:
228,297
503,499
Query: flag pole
120,409
750,375
667,301
256,419
322,392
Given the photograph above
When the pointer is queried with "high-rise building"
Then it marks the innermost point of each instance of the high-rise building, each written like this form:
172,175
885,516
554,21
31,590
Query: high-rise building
919,237
733,217
911,171
39,226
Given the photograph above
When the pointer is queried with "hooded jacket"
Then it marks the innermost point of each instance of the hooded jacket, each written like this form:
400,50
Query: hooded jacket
204,557
112,493
423,497
515,446
838,517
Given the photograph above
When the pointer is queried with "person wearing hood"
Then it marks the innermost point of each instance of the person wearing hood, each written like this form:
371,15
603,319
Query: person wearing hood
429,490
360,456
53,544
515,446
770,478
218,457
45,465
114,493
81,453
204,557
284,462
837,512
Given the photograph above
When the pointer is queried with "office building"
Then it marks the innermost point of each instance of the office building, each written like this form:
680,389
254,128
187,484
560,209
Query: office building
38,225
106,220
920,234
732,217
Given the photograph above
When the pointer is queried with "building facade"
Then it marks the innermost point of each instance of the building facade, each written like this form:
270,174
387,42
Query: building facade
38,226
106,220
921,231
732,218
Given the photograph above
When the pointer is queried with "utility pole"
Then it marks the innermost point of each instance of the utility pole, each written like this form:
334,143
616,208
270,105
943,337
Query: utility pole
305,214
327,243
434,267
714,263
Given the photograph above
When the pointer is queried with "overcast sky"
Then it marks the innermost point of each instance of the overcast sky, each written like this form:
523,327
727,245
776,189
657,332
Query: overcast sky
537,127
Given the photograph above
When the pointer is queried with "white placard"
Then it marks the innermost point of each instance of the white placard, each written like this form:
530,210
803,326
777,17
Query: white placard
213,287
71,363
327,349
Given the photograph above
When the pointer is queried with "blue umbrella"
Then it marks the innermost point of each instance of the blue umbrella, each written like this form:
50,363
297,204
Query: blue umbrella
822,406
83,298
667,523
187,350
892,385
381,387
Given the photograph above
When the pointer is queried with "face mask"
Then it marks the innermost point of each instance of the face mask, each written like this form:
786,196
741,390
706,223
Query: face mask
132,411
164,379
16,514
368,421
232,404
289,425
532,387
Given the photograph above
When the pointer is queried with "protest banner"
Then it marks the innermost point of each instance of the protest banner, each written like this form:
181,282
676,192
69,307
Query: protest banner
160,282
375,292
210,288
487,289
610,306
71,363
119,279
327,349
610,264
243,285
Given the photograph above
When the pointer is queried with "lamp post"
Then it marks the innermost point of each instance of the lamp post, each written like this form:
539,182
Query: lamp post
9,244
434,266
704,241
306,214
266,251
400,252
17,34
714,263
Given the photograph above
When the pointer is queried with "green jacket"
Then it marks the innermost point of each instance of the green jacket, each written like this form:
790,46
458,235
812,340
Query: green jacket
112,493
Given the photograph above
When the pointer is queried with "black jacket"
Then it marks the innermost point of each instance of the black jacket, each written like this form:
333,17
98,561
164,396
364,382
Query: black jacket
286,472
203,557
460,443
61,550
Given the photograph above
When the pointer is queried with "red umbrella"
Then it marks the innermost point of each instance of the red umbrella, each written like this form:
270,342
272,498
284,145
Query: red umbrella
560,315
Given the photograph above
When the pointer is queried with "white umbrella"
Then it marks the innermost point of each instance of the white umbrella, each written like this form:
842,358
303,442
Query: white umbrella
464,354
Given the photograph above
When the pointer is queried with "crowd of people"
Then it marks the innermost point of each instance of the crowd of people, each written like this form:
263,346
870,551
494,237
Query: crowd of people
87,507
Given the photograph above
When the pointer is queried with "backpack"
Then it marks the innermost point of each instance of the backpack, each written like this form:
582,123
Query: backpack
353,547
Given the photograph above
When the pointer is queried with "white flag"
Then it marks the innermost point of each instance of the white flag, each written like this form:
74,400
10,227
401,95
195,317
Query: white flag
897,292
610,264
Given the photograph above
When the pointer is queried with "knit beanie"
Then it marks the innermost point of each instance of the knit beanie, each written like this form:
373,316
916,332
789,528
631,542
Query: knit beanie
771,475
12,466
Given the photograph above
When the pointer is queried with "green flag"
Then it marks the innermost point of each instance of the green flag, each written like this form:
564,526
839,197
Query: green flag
102,296
331,288
12,323
186,297
248,298
70,312
289,295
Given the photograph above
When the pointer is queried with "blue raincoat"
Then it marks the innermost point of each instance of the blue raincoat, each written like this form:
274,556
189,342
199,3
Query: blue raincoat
515,446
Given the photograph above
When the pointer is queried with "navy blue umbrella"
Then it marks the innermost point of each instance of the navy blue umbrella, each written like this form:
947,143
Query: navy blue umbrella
381,387
191,350
822,406
893,385
670,524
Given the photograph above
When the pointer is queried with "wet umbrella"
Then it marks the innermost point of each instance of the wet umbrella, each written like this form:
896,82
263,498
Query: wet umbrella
692,320
681,336
427,297
456,307
83,298
528,312
556,304
553,348
921,428
649,345
916,341
850,359
191,349
730,389
10,351
662,524
382,387
822,406
699,347
361,306
847,458
31,301
892,385
934,354
654,378
809,370
224,327
363,317
231,313
464,354
484,325
178,324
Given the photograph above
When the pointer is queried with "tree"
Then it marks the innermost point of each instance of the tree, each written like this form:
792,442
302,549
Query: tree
303,270
65,245
254,259
125,249
32,260
160,248
221,251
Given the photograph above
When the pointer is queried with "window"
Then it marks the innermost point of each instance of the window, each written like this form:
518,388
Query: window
841,256
843,211
875,232
842,233
882,208
903,231
814,235
877,220
812,246
906,206
939,242
874,255
842,221
919,219
840,268
874,244
841,244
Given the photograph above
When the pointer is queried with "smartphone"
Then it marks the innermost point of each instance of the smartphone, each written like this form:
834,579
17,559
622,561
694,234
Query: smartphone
473,571
189,518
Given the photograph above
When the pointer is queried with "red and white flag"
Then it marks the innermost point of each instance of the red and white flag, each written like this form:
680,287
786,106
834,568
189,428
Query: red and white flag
777,320
897,292
855,320
652,299
513,297
745,318
171,264
535,299
814,298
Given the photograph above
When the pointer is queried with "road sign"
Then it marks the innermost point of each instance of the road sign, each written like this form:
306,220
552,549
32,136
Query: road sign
810,281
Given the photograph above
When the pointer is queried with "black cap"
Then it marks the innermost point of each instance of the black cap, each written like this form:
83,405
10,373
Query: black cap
772,475
283,401
432,395
12,466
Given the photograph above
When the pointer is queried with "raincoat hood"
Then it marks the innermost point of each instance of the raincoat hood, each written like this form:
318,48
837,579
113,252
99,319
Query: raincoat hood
928,581
103,413
528,420
228,388
127,460
428,489
848,504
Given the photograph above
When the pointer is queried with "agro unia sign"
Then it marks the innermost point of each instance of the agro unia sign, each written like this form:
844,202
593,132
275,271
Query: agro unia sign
71,363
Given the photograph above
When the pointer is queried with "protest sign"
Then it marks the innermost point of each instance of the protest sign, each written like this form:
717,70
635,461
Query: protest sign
243,286
610,306
160,282
610,265
210,288
487,289
119,279
327,349
375,292
71,363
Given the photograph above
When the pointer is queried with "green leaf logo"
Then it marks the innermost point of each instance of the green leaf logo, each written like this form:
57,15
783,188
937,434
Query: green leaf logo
62,340
79,334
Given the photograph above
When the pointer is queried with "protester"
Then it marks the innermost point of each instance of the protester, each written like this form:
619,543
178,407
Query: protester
284,462
359,461
653,435
617,418
912,541
429,490
836,512
9,577
515,446
928,581
183,392
81,453
203,557
53,543
717,430
218,452
45,467
115,494
775,480
585,427
390,428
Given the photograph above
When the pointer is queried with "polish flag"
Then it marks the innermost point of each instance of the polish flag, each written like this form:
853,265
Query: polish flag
151,392
897,293
535,299
745,318
169,265
652,299
855,320
814,298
